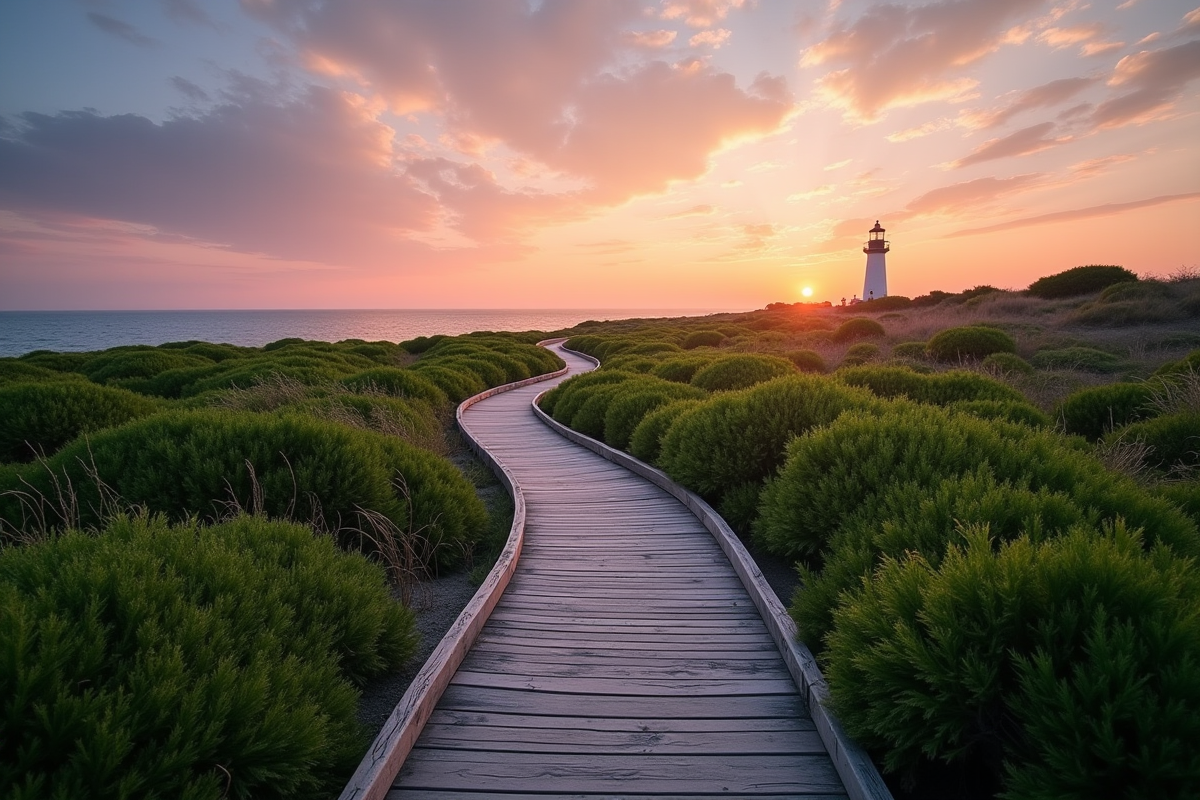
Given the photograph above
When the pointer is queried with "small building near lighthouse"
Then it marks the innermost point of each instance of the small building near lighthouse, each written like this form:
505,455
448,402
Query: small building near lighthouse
875,284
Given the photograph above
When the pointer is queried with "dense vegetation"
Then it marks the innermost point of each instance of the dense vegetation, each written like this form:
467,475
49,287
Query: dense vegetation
196,546
992,509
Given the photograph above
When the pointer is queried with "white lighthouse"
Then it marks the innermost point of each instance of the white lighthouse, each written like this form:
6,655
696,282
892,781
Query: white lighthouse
875,285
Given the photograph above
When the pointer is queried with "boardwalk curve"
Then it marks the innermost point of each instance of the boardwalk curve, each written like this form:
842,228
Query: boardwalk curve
626,657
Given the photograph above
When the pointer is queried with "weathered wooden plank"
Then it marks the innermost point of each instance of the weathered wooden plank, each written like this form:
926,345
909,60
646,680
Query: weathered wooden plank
604,667
464,719
731,775
584,741
473,698
627,687
467,794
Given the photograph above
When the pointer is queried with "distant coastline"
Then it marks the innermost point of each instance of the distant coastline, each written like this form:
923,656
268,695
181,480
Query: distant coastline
24,331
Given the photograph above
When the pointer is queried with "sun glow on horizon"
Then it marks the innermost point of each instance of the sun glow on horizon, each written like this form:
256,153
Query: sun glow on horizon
807,291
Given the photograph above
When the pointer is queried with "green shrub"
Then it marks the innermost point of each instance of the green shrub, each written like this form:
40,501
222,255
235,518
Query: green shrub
414,421
195,662
121,363
937,388
39,418
588,418
739,372
1079,280
703,339
1126,313
1007,364
1174,440
215,352
845,465
859,354
1137,290
14,370
59,362
422,343
634,400
632,363
1085,359
741,437
1070,667
564,400
1010,410
1184,494
185,464
654,349
893,302
806,360
1094,411
914,351
404,383
1186,365
909,517
458,384
645,442
680,370
857,328
954,344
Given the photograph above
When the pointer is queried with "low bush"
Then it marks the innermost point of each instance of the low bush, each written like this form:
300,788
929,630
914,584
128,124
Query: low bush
58,362
1084,359
954,344
422,343
1174,440
857,328
739,372
1126,313
138,362
631,363
403,383
1094,411
806,360
458,384
654,349
859,354
1079,280
1184,494
1189,364
39,418
847,464
909,517
588,418
564,400
195,463
1007,364
680,370
741,437
634,400
14,370
197,662
910,350
1063,669
703,339
645,442
937,388
1009,410
893,302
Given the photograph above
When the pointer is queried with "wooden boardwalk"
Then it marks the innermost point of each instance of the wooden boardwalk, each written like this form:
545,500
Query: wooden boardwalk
625,658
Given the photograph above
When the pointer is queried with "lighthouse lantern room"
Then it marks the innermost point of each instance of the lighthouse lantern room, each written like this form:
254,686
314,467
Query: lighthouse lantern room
875,285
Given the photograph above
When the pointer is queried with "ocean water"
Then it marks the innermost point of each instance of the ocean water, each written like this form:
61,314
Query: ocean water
23,331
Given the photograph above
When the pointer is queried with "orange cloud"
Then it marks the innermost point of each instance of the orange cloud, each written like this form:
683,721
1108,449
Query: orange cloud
1046,95
650,40
896,56
1021,143
700,13
958,197
1080,213
714,38
1156,79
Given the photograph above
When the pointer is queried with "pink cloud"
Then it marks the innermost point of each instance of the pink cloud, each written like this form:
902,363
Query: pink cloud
1155,78
1079,213
714,38
956,198
311,177
1021,143
700,13
1059,38
650,40
896,56
1046,95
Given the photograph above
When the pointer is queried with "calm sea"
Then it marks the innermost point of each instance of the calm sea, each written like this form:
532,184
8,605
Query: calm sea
23,331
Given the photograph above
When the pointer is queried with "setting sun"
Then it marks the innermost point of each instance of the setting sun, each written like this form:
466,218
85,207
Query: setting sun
806,291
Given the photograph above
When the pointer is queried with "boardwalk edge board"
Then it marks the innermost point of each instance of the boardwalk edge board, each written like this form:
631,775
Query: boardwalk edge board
853,765
379,767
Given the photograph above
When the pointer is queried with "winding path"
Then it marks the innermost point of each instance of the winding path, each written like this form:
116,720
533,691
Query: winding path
625,658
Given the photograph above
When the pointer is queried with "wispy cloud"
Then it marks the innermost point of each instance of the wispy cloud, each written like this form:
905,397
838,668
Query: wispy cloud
1044,96
1026,141
1156,79
120,29
1077,214
699,13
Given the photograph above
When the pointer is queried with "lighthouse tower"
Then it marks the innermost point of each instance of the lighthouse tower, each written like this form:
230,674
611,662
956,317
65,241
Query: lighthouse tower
875,285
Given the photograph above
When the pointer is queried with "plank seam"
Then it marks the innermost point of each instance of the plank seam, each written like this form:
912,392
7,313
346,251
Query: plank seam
383,760
857,771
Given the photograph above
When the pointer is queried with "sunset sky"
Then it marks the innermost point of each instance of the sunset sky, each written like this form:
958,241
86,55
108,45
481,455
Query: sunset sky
585,154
